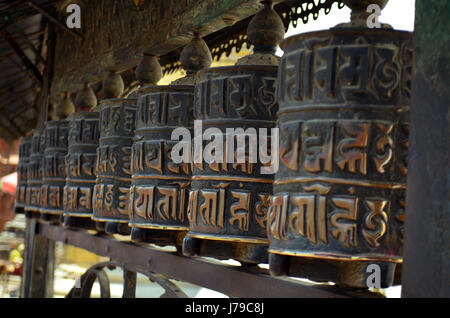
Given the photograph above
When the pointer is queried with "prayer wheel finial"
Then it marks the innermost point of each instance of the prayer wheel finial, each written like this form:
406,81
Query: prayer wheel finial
113,85
85,99
149,71
194,57
66,107
360,15
265,31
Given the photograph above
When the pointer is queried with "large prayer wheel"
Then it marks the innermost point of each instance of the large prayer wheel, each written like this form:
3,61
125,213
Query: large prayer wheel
54,170
24,157
230,196
111,192
34,174
160,187
159,191
81,169
339,195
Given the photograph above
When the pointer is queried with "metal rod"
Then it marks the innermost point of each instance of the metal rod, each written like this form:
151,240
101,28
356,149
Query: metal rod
233,281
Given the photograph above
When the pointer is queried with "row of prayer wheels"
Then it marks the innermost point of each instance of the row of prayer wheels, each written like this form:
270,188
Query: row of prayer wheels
333,110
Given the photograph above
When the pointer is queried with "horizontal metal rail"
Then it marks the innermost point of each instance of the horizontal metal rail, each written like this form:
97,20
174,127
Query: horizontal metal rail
234,281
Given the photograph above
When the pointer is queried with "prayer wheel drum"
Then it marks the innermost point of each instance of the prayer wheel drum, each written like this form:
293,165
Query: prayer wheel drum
111,191
229,201
54,170
160,188
339,195
24,157
34,175
81,169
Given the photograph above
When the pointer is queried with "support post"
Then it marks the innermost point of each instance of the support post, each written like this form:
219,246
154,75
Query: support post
426,267
39,264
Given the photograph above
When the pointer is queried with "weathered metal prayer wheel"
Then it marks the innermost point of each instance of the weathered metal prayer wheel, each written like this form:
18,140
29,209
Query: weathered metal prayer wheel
111,192
81,169
24,157
339,195
160,187
34,174
159,190
230,196
54,170
81,161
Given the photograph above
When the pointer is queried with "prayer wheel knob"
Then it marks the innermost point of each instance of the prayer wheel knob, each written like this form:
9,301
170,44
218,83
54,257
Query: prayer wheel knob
266,30
85,99
360,15
195,56
66,107
113,85
149,71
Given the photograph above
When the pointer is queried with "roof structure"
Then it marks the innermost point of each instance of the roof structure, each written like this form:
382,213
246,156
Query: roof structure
31,29
22,51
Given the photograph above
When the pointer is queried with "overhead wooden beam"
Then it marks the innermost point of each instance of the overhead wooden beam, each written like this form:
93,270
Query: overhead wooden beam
123,33
31,68
9,5
12,123
36,42
52,19
13,96
9,86
28,35
29,42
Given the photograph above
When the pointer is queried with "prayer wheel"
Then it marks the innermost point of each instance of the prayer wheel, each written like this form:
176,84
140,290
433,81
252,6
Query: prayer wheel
230,192
339,195
111,191
34,175
81,161
24,157
160,186
54,170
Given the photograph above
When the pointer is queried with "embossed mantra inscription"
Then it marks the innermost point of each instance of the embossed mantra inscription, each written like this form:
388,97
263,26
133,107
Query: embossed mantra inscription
111,192
344,105
230,201
54,173
81,164
160,188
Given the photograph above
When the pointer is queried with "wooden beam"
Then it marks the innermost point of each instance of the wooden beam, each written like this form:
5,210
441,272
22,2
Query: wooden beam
14,95
28,41
36,42
48,75
123,33
9,5
9,86
28,35
31,68
53,19
12,123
